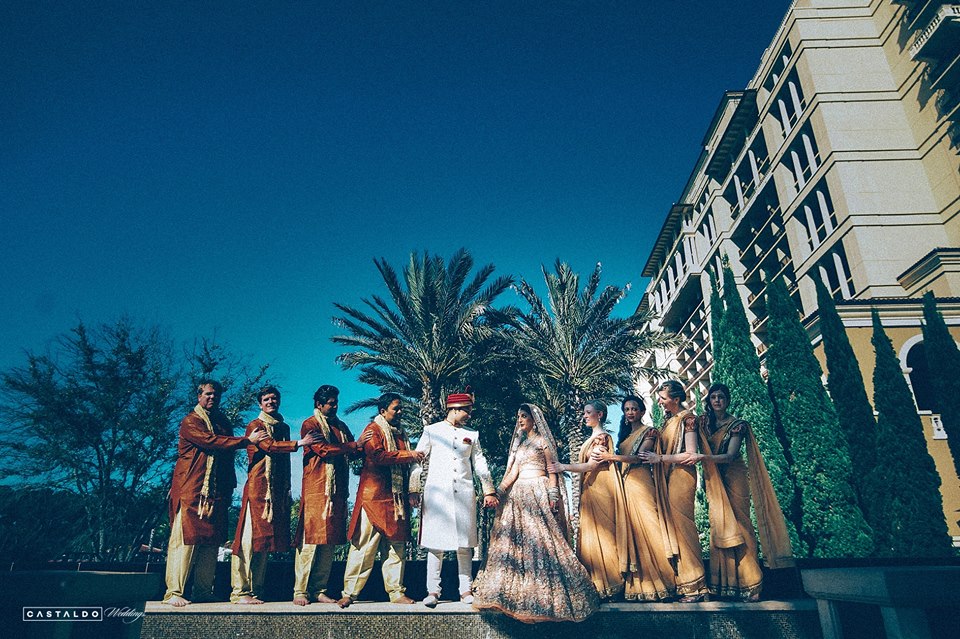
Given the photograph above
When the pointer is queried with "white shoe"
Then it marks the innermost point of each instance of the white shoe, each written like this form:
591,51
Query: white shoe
467,597
431,600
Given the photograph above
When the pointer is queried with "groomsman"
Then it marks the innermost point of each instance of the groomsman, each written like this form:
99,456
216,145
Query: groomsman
381,516
264,524
323,502
448,516
202,487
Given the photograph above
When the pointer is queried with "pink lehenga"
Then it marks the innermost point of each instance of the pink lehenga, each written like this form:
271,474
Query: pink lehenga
531,572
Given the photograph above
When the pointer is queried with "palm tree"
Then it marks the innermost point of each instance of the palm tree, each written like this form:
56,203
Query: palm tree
578,351
421,341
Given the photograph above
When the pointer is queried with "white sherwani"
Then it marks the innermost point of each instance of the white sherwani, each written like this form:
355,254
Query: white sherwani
448,514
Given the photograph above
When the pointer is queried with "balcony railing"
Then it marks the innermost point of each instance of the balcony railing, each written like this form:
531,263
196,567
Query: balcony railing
792,118
753,271
694,380
773,212
694,358
814,237
754,297
936,32
749,189
806,171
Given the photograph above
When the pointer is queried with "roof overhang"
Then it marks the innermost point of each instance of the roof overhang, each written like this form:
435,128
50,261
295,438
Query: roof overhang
666,237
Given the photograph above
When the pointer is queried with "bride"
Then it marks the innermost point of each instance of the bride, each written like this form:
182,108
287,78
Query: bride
531,573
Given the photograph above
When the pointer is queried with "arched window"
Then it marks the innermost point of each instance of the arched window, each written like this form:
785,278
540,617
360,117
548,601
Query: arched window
920,379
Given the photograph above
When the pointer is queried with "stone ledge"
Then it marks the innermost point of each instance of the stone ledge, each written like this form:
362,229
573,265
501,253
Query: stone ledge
457,608
795,619
912,586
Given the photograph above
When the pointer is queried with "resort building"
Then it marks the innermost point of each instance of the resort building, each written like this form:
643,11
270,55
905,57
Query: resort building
839,160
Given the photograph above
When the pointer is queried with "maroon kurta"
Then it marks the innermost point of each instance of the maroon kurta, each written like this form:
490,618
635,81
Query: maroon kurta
268,536
323,520
374,494
195,445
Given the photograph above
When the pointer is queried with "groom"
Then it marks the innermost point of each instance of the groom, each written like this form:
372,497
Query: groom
448,514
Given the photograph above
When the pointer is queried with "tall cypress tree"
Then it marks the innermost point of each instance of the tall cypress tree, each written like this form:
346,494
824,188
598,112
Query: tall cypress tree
833,524
716,328
943,355
854,412
738,366
911,504
656,415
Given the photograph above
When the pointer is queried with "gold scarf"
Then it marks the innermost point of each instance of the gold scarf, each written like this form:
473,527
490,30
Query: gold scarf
208,493
771,527
396,470
269,422
631,446
330,475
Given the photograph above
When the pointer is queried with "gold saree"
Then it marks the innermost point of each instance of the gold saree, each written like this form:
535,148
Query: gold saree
651,578
735,571
680,485
603,544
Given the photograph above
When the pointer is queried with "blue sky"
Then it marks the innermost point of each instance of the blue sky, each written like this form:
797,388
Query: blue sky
237,166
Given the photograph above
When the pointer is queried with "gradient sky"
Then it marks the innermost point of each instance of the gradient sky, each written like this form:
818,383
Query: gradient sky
236,166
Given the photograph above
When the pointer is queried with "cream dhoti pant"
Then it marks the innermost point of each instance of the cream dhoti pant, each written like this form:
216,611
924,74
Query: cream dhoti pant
312,570
181,558
363,550
247,570
464,569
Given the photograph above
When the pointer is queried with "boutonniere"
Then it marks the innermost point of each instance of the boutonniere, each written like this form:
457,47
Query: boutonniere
467,440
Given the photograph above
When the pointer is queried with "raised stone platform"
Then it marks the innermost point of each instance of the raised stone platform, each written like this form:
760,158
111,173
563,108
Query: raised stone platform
795,619
901,602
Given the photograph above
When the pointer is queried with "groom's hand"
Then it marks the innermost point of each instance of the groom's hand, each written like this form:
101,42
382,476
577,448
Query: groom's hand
414,500
490,501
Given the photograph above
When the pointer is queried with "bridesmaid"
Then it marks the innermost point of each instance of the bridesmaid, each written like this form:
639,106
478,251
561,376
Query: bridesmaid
602,544
683,439
676,452
651,578
735,572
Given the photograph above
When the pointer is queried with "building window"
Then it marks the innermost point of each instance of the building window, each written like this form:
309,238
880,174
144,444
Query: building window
835,273
780,63
804,158
817,217
923,393
790,104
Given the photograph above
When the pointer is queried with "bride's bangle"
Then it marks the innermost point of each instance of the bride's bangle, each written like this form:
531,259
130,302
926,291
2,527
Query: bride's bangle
553,494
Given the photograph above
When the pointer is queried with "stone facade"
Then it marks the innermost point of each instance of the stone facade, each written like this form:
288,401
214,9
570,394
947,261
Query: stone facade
839,160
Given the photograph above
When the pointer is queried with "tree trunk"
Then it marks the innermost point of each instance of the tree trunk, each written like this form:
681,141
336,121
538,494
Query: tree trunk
570,426
429,406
